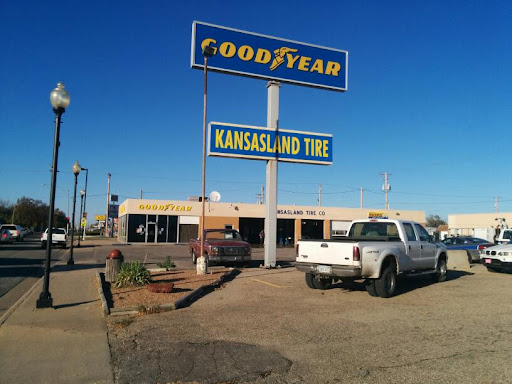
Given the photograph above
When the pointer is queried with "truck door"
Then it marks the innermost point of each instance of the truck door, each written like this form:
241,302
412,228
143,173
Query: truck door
428,249
413,249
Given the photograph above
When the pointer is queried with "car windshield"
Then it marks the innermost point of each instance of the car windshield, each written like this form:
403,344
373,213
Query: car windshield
223,235
59,231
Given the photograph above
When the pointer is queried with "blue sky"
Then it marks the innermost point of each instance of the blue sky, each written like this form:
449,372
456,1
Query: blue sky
429,101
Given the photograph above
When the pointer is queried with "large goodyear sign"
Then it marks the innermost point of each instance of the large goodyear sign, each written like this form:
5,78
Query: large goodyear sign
260,143
270,58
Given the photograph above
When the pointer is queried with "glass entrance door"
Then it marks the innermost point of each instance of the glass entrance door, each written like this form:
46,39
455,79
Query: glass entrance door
151,229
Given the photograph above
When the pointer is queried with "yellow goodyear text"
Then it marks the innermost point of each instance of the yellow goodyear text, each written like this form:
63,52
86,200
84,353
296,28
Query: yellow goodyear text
290,57
164,207
263,143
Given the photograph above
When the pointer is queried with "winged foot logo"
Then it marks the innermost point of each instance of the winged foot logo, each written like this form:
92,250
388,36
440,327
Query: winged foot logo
282,55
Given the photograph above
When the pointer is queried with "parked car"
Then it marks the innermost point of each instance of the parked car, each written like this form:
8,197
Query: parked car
221,246
374,250
16,231
497,258
59,237
5,236
473,245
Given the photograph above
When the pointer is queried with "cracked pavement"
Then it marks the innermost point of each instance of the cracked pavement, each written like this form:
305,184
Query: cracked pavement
268,327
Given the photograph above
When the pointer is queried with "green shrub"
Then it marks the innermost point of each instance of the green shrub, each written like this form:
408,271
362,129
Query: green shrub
132,274
167,264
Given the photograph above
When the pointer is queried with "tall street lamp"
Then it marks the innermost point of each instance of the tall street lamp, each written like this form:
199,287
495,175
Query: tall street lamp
201,261
59,98
76,171
82,193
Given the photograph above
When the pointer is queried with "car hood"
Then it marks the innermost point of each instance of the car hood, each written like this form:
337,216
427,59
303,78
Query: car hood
228,243
501,247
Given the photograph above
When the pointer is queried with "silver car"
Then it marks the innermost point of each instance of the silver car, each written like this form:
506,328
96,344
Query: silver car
5,236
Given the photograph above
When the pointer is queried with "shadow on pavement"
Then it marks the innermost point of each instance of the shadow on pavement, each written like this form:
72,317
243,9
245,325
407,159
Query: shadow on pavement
73,304
76,267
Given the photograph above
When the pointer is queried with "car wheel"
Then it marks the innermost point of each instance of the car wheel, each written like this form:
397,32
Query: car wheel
370,287
194,258
310,280
321,283
386,284
441,270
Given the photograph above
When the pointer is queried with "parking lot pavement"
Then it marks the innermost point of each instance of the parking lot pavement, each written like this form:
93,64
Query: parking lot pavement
267,326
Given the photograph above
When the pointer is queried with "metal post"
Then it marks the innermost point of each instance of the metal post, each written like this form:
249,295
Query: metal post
45,298
201,260
70,260
362,197
85,200
108,203
271,178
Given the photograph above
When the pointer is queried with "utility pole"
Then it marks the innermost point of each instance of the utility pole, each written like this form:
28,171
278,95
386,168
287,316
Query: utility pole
361,197
108,203
386,187
141,194
496,203
261,196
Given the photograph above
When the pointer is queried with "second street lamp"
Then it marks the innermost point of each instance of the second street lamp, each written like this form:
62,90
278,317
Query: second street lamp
82,193
59,98
76,171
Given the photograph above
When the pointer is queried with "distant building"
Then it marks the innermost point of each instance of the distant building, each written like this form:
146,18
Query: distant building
163,221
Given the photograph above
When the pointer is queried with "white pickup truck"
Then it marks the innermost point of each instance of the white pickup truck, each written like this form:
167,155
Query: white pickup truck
59,237
374,250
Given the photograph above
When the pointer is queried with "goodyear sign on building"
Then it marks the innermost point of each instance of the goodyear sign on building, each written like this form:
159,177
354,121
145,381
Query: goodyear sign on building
265,57
244,141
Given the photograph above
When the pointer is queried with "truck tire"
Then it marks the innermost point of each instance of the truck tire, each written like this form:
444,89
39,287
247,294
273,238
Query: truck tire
385,285
441,269
194,258
322,284
310,280
43,244
370,287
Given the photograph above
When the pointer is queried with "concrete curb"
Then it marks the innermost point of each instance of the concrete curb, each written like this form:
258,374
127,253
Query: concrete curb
180,303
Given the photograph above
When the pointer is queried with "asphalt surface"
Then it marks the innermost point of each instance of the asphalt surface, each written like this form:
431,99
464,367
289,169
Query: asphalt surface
21,265
266,326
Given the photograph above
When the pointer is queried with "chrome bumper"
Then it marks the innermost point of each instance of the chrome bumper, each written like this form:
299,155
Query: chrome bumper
337,270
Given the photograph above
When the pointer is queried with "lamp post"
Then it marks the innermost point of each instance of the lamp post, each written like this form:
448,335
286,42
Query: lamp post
82,193
59,98
76,171
201,261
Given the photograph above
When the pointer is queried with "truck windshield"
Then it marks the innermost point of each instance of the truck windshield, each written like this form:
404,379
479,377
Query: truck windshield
223,235
373,229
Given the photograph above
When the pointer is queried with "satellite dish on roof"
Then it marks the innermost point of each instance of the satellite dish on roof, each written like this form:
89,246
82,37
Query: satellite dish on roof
214,196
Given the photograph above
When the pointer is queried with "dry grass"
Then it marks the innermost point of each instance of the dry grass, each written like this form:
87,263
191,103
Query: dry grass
184,283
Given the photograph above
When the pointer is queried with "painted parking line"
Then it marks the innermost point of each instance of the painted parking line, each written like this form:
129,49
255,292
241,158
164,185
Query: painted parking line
272,285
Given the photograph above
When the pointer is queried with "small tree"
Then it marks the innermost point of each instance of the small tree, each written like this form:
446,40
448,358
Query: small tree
435,221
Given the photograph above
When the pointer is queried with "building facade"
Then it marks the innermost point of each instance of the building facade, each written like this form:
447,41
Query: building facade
162,221
466,224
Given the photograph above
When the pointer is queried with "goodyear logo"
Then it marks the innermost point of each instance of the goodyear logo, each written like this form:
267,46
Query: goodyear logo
248,54
230,140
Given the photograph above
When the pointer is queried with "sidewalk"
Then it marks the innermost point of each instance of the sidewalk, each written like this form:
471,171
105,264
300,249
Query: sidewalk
64,344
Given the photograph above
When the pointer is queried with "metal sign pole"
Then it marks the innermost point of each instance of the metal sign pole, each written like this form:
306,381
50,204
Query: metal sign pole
271,179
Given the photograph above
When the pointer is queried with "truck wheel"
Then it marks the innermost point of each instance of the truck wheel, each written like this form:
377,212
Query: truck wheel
386,284
322,283
440,273
43,244
310,278
194,258
370,287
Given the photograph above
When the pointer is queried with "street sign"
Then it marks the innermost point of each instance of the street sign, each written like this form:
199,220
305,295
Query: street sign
113,210
261,143
270,58
99,217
